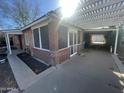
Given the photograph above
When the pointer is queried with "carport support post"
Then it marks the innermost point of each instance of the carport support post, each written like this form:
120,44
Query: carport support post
8,43
116,40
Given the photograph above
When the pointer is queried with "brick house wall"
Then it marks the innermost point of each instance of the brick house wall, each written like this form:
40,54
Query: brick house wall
63,55
54,55
38,53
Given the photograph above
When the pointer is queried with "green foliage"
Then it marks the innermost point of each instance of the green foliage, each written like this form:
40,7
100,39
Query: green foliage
2,41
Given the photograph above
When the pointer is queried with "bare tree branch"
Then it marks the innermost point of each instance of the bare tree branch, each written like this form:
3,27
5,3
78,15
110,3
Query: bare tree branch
21,12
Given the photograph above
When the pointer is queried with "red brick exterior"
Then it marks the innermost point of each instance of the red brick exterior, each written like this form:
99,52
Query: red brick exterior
79,47
54,55
43,55
53,33
63,55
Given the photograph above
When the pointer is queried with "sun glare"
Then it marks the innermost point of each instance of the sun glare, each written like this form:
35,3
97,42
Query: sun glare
68,7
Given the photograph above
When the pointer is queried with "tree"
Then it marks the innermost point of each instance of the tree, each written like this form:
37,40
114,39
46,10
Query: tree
21,12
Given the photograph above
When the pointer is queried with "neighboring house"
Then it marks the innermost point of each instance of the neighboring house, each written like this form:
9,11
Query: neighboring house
48,38
1,34
14,36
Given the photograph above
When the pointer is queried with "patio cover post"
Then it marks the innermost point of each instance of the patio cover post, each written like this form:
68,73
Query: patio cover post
8,43
116,40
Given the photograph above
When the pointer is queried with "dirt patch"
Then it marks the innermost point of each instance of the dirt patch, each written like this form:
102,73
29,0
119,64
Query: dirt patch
34,64
7,79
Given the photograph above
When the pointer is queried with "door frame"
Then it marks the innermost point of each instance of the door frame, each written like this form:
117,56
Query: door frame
74,45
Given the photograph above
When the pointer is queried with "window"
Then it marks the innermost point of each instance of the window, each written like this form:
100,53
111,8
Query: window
44,37
26,38
75,38
79,39
63,37
36,38
41,38
71,38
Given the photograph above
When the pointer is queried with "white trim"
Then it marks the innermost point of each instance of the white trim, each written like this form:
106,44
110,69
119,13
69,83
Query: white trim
14,32
40,41
40,38
73,54
42,49
109,29
116,41
73,42
74,45
36,22
10,30
8,43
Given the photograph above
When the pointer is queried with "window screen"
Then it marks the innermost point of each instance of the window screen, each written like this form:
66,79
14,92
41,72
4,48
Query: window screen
63,37
71,38
75,37
44,37
36,38
79,37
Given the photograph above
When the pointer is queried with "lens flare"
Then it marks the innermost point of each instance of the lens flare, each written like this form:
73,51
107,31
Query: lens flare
68,7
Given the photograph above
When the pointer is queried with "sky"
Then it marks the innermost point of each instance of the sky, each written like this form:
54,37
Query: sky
45,6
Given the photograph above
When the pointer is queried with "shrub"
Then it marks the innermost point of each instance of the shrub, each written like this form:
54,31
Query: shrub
2,41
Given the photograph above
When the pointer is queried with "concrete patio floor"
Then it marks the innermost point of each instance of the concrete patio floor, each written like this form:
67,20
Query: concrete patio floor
92,73
24,76
22,73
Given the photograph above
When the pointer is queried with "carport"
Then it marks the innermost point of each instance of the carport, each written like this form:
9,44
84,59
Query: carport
95,15
103,39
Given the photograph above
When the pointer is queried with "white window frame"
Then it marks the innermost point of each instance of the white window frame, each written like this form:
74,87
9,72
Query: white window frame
40,41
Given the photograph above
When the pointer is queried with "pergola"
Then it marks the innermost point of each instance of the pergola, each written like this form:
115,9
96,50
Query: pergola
99,13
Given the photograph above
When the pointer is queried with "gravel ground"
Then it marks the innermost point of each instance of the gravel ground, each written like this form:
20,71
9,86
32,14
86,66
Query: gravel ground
7,79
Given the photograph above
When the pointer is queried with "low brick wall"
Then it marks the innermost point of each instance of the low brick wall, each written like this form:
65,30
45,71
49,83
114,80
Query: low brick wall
63,54
79,48
43,55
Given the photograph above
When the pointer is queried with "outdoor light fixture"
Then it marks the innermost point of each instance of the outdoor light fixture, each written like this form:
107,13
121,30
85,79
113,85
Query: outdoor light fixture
68,7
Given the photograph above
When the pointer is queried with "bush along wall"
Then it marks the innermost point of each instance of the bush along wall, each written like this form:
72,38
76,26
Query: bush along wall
2,41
